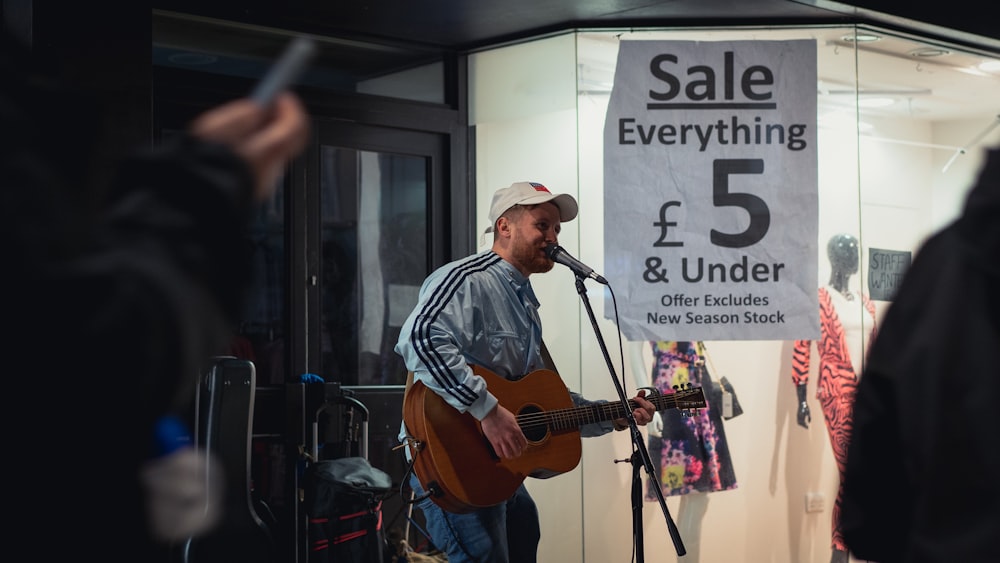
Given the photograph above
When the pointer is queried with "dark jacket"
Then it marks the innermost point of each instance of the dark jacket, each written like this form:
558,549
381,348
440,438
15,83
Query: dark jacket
923,468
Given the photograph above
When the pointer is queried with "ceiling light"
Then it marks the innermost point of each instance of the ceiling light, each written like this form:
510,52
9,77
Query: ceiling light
989,66
860,37
926,52
972,71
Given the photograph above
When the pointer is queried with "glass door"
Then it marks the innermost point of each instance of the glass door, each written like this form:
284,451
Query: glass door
375,190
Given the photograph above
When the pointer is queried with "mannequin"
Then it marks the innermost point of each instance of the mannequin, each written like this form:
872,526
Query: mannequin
689,452
845,335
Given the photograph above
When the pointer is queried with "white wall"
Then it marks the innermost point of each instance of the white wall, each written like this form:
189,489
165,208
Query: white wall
532,125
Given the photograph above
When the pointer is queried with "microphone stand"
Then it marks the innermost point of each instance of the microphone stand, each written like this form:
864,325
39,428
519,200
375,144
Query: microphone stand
638,447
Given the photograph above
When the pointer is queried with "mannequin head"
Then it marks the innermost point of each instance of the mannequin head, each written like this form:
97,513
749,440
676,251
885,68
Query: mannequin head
843,253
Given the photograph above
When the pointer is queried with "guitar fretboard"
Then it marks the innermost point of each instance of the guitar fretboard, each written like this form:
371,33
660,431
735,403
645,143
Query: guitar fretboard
568,419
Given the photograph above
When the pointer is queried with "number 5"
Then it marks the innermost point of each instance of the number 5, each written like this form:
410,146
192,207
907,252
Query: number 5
760,216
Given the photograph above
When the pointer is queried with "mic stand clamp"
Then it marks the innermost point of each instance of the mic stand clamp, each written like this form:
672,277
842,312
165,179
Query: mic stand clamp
640,455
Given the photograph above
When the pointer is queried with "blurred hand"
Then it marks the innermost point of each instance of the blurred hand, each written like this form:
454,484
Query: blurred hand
267,138
506,437
183,498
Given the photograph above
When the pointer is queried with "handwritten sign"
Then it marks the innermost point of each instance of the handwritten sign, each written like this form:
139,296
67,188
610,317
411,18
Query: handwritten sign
885,272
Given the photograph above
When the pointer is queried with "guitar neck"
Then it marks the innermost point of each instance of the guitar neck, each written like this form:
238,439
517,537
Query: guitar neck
568,419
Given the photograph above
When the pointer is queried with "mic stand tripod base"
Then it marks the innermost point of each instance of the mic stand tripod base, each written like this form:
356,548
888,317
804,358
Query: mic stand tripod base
641,460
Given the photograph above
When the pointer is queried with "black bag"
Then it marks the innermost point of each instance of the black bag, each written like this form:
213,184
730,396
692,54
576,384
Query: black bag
343,500
723,395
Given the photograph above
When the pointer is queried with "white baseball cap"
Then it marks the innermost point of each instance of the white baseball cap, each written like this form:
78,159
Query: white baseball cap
529,193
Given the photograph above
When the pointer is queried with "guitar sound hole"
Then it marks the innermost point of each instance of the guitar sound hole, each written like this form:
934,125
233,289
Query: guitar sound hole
533,432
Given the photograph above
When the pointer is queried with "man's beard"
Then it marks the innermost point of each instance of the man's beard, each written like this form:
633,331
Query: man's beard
535,262
548,265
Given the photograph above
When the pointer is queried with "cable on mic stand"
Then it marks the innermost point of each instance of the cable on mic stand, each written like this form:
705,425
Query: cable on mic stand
640,455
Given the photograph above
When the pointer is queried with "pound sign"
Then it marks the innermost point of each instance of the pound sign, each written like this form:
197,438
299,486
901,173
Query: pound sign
665,225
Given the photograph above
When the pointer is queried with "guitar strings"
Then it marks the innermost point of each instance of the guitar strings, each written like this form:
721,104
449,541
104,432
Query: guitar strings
567,418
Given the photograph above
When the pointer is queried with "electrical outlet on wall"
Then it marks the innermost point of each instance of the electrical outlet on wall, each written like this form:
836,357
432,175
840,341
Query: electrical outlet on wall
815,502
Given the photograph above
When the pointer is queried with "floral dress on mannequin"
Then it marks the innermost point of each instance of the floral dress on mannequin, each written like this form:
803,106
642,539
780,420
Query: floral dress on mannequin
692,451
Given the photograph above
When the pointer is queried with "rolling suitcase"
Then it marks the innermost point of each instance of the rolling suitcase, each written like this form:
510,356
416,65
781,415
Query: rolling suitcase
343,493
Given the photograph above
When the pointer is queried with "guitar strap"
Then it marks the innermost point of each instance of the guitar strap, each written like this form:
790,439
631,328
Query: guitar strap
547,359
408,442
409,383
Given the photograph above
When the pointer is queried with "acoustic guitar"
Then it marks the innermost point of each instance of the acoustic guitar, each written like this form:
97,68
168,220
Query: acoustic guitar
455,462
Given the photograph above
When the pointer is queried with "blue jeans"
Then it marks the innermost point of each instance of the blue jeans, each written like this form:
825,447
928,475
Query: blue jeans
507,532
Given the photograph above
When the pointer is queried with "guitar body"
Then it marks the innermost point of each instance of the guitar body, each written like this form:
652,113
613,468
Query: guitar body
456,460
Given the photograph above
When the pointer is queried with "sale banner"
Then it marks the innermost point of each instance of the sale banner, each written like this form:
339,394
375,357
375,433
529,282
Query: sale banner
711,191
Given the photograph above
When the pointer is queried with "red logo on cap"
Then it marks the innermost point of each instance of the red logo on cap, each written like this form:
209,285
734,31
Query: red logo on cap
539,187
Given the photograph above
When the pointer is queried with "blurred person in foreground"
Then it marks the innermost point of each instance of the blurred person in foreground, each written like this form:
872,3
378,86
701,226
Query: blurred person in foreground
113,310
923,466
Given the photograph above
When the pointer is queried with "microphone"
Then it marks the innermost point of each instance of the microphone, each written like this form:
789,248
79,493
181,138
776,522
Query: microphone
558,254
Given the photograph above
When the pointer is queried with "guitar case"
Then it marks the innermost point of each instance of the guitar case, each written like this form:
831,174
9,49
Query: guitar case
223,414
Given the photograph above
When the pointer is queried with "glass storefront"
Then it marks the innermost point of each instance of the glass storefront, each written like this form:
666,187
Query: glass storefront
900,129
